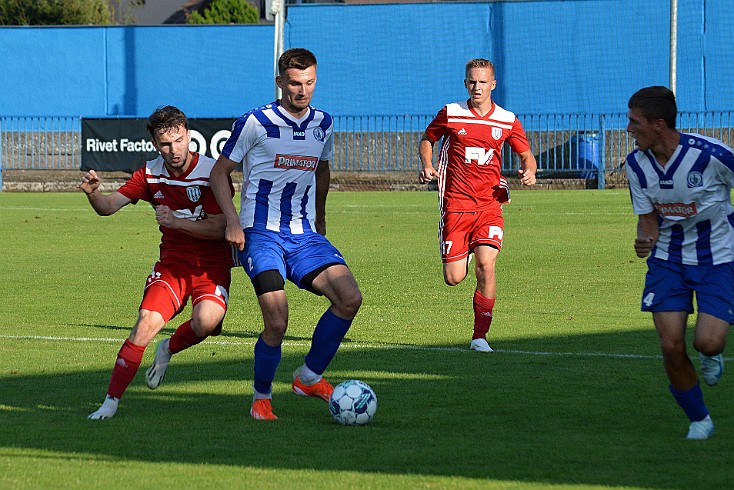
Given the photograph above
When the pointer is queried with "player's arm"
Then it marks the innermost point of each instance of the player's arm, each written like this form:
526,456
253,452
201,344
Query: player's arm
211,228
219,182
648,232
103,204
323,179
528,168
425,150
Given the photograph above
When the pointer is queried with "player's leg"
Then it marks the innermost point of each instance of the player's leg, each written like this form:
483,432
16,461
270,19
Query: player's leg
128,361
338,285
485,242
684,385
669,297
453,238
714,287
209,291
709,341
264,263
161,300
268,347
484,296
317,266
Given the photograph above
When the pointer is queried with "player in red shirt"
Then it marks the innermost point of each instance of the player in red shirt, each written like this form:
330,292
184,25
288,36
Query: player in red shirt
471,190
195,260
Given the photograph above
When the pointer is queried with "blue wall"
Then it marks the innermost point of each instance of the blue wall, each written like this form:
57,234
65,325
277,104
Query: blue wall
551,56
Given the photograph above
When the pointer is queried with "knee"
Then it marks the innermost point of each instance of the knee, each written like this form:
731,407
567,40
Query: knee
672,349
205,328
350,304
145,330
452,278
708,347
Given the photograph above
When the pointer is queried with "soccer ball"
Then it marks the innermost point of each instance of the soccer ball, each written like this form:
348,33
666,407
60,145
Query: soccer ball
353,402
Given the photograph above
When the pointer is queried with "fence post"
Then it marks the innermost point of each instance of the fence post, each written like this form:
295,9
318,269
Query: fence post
2,160
602,169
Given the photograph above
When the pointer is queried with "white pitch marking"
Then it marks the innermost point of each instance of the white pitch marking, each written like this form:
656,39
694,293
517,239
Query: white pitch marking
349,345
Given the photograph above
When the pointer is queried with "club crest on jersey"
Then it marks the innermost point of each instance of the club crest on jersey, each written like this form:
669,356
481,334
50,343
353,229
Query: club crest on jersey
287,162
695,179
319,134
194,193
497,133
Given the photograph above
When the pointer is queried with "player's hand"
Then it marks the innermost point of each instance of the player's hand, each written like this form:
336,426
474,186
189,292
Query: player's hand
234,235
164,216
320,226
643,246
428,174
526,178
90,182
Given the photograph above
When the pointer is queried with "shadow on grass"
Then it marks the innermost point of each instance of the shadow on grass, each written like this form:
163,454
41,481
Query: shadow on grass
513,415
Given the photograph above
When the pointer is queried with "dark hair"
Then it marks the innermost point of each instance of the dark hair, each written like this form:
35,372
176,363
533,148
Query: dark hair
164,119
297,58
655,103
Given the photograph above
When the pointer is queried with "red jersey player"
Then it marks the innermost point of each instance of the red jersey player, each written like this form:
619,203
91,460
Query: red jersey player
195,260
470,188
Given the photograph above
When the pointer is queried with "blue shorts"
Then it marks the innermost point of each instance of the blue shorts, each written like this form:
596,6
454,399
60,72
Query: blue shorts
670,287
293,256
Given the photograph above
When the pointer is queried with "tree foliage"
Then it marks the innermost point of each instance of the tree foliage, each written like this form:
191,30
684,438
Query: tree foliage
226,12
54,12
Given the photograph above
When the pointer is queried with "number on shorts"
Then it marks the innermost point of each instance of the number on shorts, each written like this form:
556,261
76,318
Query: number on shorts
447,246
648,299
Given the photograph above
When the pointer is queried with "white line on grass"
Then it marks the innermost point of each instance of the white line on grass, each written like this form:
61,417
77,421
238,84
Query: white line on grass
349,345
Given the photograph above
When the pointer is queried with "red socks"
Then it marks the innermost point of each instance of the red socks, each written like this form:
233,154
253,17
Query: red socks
482,315
183,338
128,362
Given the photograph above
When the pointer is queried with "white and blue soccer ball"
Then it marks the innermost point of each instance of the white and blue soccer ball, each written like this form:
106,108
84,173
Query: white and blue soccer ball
353,402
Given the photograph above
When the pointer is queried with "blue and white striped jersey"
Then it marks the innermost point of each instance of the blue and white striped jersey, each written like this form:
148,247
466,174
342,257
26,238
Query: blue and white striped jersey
691,195
279,155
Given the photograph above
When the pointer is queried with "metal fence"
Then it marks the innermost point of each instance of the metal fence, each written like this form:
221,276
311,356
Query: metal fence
585,146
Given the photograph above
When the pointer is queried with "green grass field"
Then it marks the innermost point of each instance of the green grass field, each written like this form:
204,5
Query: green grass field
574,397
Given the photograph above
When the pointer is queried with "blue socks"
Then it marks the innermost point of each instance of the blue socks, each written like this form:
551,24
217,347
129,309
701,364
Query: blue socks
266,363
691,401
327,337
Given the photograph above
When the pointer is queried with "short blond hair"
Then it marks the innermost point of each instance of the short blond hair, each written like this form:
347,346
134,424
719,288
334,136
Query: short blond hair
479,63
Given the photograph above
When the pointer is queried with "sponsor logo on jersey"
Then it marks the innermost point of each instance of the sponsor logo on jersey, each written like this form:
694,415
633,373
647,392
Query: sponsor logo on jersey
478,155
497,133
666,183
158,195
462,132
194,192
695,179
308,164
685,210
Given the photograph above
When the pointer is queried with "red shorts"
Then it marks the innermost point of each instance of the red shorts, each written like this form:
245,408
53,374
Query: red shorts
170,285
459,233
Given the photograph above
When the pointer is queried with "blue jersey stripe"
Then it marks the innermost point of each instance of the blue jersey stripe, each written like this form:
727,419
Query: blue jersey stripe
272,130
715,148
261,202
675,248
286,209
232,140
631,163
701,163
304,202
703,243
